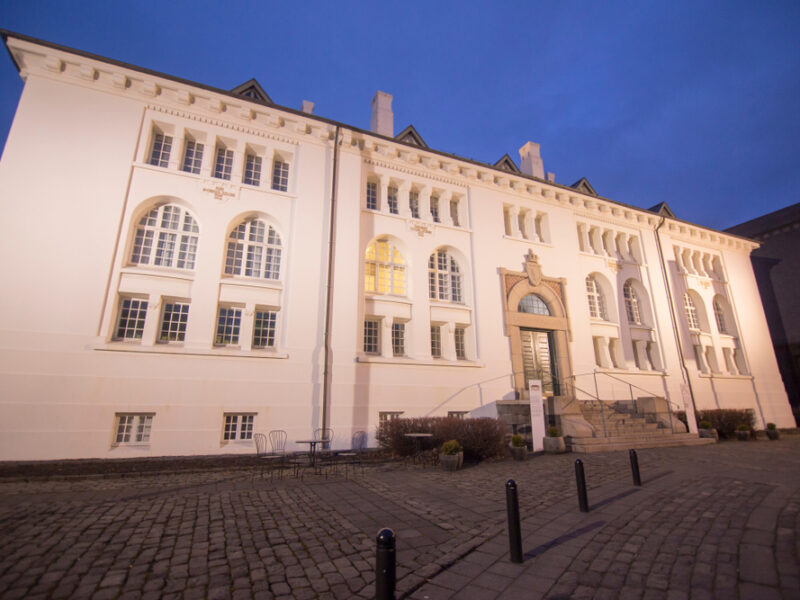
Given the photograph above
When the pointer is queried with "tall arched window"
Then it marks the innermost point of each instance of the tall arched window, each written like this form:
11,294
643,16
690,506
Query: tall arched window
444,277
534,305
597,304
166,237
719,315
254,250
631,303
690,308
384,269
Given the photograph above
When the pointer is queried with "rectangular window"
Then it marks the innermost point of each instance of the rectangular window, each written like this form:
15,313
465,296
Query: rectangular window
264,328
461,346
388,415
435,209
192,157
454,212
133,428
132,314
162,145
280,175
436,341
458,414
229,321
224,163
371,337
238,427
413,204
399,339
252,170
173,322
372,195
391,199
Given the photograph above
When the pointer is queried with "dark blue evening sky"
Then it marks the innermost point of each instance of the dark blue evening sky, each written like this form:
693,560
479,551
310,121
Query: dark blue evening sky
696,104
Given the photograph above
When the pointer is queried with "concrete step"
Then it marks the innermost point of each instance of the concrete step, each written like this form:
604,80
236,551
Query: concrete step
626,442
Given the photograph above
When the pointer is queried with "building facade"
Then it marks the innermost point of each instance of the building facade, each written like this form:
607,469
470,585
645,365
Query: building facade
185,266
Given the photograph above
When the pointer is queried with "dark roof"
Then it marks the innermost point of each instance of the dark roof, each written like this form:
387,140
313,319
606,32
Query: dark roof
583,185
769,222
662,209
252,89
507,164
410,135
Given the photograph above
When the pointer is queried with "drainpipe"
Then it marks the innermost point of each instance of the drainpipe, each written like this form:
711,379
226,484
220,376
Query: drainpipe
674,320
326,374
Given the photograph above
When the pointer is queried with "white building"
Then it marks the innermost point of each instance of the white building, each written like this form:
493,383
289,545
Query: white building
184,265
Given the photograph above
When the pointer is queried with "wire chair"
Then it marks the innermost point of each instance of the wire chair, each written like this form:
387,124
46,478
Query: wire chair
352,457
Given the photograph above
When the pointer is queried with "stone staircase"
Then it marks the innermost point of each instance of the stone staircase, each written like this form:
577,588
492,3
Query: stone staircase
618,429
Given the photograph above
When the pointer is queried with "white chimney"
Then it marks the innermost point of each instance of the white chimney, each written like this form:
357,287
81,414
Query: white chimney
308,107
382,120
531,161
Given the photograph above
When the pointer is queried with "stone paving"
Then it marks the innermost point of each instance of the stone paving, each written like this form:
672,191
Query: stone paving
718,521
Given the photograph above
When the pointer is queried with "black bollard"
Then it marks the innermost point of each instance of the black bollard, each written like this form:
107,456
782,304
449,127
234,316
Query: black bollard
385,557
514,533
580,478
637,480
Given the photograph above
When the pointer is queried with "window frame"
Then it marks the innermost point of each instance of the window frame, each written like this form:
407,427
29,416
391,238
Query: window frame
228,326
251,174
460,342
193,152
691,313
372,195
436,341
138,425
280,174
167,334
371,341
254,240
223,162
140,318
238,427
160,150
632,304
398,339
165,237
595,299
445,280
387,276
269,333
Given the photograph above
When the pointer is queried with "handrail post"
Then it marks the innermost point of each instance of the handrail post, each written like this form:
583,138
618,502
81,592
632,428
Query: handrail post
385,561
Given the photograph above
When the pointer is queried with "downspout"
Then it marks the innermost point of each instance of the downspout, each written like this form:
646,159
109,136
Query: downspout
326,388
674,320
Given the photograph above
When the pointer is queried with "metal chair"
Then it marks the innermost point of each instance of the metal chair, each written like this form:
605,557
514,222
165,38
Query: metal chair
353,456
326,457
277,458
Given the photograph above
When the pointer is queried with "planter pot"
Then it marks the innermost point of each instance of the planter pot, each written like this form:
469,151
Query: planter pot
742,435
773,434
554,445
451,462
708,433
519,452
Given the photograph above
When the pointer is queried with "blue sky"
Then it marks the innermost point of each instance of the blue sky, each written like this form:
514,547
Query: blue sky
696,104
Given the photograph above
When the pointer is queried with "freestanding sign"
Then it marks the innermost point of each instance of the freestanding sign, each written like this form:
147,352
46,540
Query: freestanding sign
537,414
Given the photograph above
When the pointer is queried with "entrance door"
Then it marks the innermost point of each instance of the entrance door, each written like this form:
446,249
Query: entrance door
538,359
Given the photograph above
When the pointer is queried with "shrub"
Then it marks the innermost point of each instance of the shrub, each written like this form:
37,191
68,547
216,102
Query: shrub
553,432
704,424
725,421
771,427
480,438
517,440
451,447
743,427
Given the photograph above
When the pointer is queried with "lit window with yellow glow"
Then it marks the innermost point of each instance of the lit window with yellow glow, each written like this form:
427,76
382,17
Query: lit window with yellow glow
384,269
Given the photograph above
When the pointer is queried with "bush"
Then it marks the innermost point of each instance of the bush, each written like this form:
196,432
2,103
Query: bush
704,425
743,427
480,438
726,421
553,432
451,447
517,440
771,427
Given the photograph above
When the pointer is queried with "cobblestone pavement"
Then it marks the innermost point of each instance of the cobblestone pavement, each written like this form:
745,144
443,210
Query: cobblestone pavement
718,521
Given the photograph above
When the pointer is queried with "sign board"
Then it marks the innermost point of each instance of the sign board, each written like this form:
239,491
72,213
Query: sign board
537,414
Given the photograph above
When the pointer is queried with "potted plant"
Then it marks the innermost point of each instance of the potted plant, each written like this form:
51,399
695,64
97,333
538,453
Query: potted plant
451,455
519,451
554,441
706,430
772,431
743,432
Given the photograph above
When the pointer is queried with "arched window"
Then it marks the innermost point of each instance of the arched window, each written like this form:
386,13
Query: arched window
384,269
173,232
444,277
631,303
719,315
254,250
597,305
692,317
534,305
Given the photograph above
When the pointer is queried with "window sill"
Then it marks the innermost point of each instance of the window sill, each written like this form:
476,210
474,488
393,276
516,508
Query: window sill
138,445
725,376
243,281
387,298
432,362
412,220
182,350
633,371
210,179
151,271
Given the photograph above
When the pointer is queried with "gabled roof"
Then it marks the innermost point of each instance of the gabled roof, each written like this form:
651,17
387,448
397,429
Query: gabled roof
252,89
583,185
507,164
662,209
409,135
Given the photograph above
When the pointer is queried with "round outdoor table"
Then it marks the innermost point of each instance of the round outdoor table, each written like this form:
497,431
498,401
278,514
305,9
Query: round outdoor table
312,444
418,437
